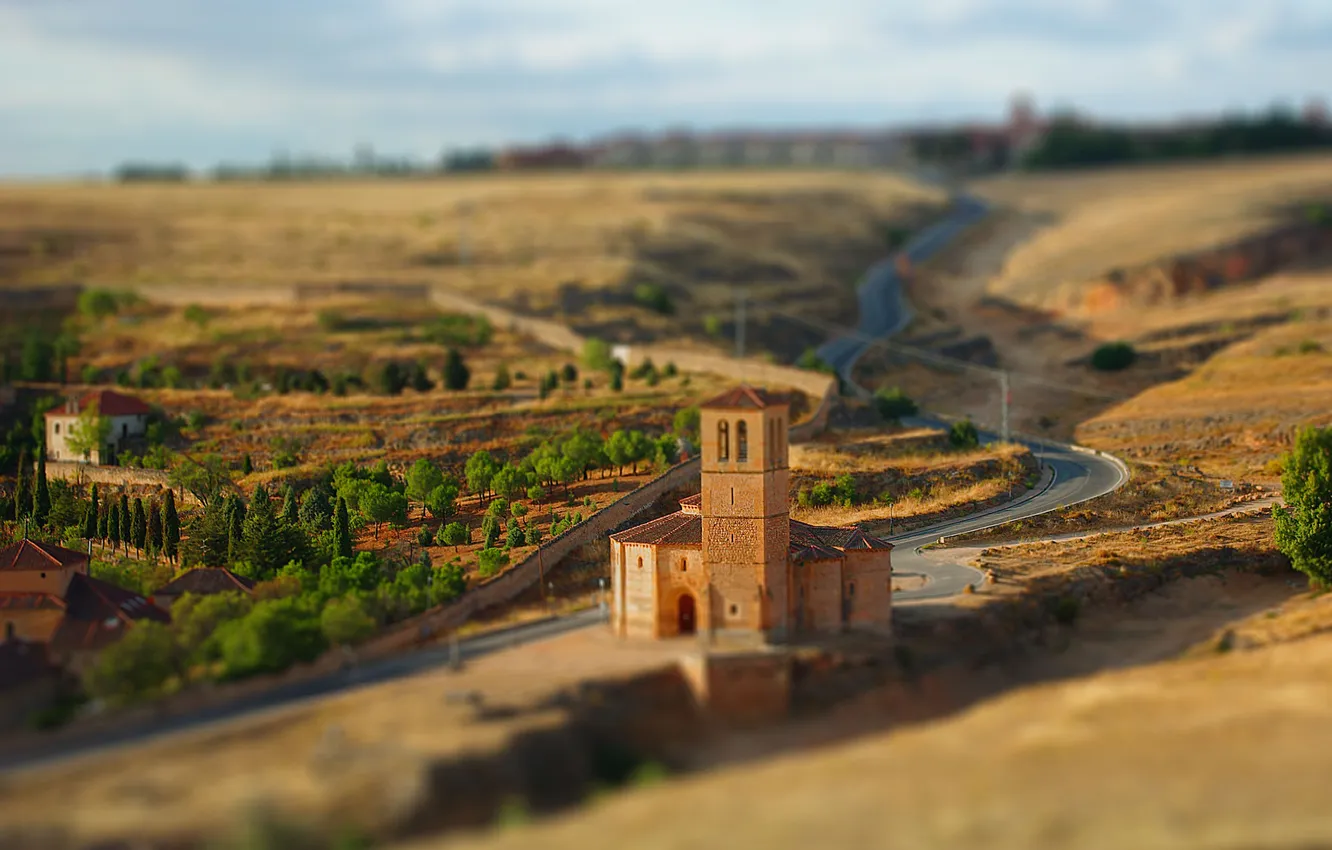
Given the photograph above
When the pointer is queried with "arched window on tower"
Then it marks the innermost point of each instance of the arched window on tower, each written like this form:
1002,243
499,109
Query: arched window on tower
741,442
723,441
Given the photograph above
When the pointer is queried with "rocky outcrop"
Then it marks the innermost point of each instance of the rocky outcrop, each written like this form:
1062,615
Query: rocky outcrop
1179,277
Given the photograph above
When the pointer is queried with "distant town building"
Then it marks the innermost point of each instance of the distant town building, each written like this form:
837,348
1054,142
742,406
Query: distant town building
48,597
732,559
128,418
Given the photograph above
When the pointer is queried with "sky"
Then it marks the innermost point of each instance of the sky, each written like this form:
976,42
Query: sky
88,84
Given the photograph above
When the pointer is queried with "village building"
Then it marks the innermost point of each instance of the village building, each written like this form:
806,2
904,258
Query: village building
732,559
202,581
128,418
48,597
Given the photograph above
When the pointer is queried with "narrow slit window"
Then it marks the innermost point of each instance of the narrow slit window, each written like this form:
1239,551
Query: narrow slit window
723,441
741,442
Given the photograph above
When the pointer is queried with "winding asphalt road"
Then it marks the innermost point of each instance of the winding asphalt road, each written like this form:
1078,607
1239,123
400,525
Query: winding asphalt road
1068,476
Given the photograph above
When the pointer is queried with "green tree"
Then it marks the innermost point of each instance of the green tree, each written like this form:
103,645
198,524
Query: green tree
893,404
382,504
963,435
247,464
234,512
170,527
1304,525
345,621
290,507
490,560
536,492
113,524
90,519
502,380
196,620
135,666
342,529
422,478
390,379
205,477
97,304
443,500
274,635
509,481
450,582
686,422
617,376
1113,356
456,373
569,373
41,492
514,536
263,544
89,432
156,535
316,510
455,534
22,497
344,575
139,526
666,450
480,471
597,355
37,360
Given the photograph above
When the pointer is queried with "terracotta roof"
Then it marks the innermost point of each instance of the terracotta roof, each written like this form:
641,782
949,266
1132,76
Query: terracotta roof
206,580
840,537
747,397
806,544
677,529
96,613
696,499
109,403
22,662
33,555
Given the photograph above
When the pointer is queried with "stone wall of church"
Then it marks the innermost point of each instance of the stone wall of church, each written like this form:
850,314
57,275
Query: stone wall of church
820,585
679,573
868,587
640,591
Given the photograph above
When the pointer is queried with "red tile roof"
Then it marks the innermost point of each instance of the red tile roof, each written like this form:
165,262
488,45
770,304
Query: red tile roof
32,555
205,580
747,397
807,542
97,612
109,403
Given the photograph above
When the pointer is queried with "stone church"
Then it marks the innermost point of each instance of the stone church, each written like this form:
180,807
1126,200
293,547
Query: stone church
732,559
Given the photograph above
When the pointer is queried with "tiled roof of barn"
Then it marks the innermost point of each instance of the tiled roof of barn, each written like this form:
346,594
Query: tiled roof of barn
842,536
96,613
205,580
747,397
34,555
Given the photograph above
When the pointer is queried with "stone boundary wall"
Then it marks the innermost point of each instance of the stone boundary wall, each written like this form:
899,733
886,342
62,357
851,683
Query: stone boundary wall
518,578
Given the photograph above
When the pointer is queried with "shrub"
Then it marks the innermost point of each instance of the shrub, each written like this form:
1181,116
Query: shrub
963,435
490,560
135,666
1113,357
518,509
1310,346
455,534
345,622
456,373
274,635
424,537
597,354
654,297
893,404
197,315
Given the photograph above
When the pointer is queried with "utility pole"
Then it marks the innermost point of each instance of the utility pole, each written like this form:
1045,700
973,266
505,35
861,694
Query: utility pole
1003,388
739,322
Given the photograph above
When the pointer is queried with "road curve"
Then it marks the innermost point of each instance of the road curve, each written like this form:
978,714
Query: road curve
1069,475
77,744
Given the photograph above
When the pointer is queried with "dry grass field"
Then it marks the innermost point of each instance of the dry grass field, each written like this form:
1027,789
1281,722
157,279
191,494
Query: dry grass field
1089,223
552,244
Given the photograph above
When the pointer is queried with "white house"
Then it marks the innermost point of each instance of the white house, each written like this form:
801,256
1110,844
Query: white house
127,414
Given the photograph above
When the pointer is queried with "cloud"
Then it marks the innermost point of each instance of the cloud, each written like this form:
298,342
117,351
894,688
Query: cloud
104,78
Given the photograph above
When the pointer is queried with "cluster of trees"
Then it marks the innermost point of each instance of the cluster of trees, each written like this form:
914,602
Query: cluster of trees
364,163
41,358
1072,142
1113,356
152,529
840,492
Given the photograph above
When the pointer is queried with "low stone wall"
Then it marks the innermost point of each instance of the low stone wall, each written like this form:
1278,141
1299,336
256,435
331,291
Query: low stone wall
518,578
118,476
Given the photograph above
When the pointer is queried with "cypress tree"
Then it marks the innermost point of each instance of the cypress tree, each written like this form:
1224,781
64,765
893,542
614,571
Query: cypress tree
126,528
155,540
113,525
90,517
171,527
342,529
102,515
234,512
22,498
41,494
139,526
264,543
290,507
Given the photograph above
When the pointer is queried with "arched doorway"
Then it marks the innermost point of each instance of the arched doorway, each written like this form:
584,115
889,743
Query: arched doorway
686,622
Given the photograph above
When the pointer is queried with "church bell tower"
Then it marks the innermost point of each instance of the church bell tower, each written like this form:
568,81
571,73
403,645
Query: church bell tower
746,526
